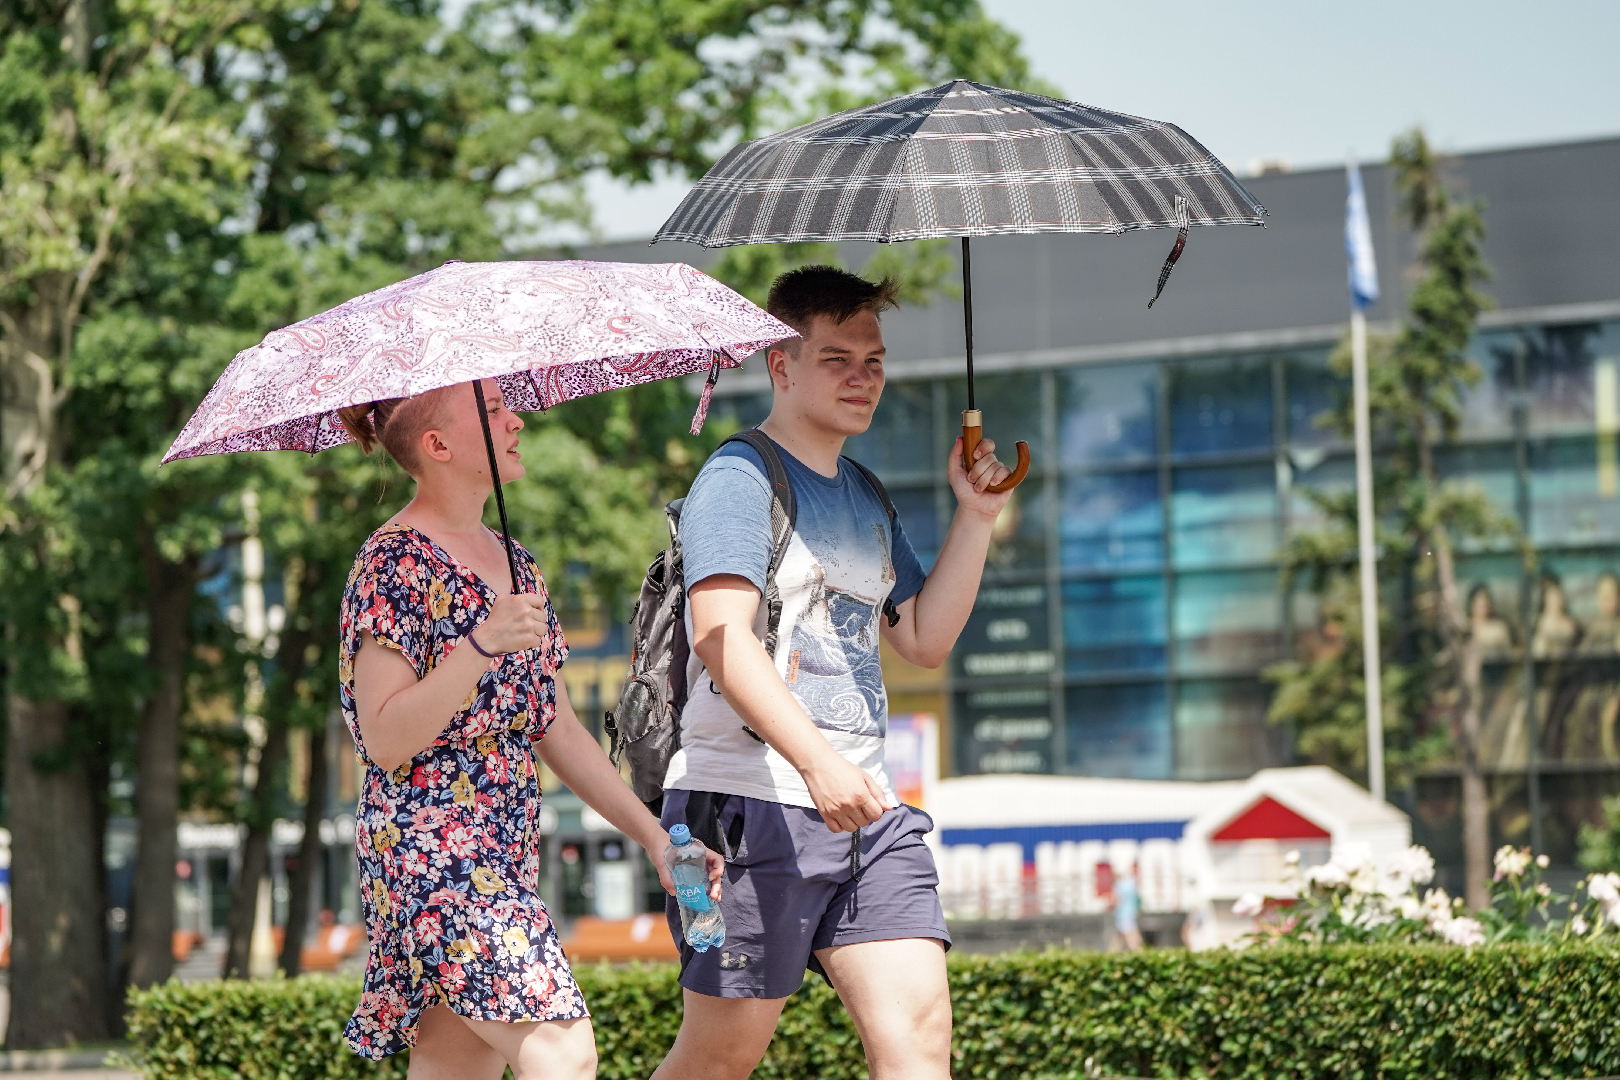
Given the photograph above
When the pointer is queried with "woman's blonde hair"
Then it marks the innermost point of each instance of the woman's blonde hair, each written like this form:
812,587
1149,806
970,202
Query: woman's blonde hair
396,423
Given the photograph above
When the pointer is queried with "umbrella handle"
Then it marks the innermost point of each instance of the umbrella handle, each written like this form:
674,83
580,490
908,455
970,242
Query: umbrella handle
972,432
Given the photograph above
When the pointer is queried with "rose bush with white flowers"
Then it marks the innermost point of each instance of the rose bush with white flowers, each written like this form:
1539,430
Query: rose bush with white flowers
1356,898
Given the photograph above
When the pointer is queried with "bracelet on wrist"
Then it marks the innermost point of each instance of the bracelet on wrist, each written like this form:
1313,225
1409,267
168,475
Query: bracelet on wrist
479,649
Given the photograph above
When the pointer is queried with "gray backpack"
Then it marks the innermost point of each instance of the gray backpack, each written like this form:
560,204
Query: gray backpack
645,728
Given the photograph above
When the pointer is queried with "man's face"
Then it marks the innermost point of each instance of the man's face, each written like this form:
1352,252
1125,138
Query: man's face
835,376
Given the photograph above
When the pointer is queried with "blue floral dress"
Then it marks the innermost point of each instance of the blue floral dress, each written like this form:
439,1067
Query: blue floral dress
447,842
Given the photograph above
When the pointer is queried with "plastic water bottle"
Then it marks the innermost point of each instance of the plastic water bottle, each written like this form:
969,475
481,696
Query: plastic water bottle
701,922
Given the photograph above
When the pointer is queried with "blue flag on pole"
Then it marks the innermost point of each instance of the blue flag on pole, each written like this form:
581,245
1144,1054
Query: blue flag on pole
1358,243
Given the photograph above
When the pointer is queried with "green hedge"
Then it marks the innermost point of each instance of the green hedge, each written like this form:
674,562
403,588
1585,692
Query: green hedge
1356,1011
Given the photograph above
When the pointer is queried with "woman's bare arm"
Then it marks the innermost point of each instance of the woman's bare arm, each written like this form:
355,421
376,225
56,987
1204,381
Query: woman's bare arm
400,715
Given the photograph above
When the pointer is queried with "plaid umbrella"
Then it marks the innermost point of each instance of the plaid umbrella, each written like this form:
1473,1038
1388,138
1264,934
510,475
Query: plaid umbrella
963,159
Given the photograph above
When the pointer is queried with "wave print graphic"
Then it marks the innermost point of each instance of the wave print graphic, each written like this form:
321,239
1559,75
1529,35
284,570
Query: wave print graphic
837,695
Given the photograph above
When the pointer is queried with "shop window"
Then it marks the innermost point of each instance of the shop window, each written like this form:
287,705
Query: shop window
1006,634
1018,539
1220,406
1112,521
1574,491
1108,414
1114,624
1312,471
1005,729
1224,515
1121,730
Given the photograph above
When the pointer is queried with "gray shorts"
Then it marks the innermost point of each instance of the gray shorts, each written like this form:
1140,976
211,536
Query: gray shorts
793,887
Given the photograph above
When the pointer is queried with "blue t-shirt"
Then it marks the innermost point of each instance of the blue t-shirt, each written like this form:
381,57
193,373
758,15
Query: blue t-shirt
841,564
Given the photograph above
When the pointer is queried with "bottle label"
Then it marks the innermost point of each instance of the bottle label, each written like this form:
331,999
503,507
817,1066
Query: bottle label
691,886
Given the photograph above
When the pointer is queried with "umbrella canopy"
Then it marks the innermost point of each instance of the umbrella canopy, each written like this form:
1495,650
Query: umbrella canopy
964,159
546,331
960,159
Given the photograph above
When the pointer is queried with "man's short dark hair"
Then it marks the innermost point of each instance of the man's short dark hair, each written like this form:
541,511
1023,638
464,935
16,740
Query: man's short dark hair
798,296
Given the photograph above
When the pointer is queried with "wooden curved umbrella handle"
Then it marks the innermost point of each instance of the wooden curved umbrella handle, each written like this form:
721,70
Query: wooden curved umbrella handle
972,432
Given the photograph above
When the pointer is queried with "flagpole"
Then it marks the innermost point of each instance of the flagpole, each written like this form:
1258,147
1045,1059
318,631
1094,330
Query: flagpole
1363,293
1373,674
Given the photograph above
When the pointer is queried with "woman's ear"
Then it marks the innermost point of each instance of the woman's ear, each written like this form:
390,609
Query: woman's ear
433,445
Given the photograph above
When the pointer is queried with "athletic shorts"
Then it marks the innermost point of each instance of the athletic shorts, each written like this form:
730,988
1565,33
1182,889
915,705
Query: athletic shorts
793,886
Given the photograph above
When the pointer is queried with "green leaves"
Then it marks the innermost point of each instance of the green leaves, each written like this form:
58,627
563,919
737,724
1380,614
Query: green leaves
1392,1012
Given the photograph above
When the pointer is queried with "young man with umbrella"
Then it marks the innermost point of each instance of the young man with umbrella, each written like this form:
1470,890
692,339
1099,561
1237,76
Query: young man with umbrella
828,869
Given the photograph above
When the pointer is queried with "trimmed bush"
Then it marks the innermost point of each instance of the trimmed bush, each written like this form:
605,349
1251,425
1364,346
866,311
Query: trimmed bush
1362,1011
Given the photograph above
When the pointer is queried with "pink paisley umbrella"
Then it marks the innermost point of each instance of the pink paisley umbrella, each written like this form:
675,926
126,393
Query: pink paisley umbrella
547,332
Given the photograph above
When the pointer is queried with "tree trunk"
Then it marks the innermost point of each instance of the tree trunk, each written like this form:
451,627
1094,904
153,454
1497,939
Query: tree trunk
255,853
309,856
157,764
58,941
1463,655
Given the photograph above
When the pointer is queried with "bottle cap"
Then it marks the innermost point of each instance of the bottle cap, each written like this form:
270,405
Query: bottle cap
680,835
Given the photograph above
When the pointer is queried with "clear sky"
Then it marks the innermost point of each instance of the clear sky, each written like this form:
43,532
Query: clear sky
1306,81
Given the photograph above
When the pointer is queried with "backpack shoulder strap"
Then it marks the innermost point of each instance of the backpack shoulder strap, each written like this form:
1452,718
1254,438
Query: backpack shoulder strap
784,512
889,611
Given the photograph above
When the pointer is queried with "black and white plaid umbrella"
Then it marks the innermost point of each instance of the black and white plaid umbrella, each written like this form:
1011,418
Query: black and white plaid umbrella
963,159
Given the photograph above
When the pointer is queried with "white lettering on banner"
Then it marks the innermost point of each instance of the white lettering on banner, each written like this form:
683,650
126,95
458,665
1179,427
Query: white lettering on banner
1016,596
1007,630
1012,729
1013,761
1016,663
1009,699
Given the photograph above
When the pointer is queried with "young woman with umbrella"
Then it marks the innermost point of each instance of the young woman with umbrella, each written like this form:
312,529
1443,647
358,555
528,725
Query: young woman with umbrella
450,647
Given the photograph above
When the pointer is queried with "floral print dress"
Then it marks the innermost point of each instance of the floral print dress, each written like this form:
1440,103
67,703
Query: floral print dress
447,842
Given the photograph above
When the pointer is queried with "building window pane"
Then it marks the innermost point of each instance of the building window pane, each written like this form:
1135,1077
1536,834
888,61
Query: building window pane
1119,730
1226,514
1109,414
1574,491
1004,730
1006,634
1489,469
1220,406
1114,624
1314,390
1487,406
1011,404
1315,473
1112,521
901,439
1221,729
1227,621
919,519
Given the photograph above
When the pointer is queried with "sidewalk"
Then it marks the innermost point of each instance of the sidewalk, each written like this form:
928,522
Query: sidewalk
62,1064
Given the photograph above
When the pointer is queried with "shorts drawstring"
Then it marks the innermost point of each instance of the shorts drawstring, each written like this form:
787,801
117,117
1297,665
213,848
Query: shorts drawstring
855,855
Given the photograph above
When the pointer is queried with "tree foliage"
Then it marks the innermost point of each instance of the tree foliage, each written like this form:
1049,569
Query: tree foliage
1416,383
179,178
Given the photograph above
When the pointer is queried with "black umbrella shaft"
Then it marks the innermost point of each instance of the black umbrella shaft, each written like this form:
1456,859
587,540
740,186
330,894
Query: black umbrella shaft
495,475
967,312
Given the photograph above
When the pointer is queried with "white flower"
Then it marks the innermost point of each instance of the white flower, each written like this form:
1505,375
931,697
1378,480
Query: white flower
1604,888
1463,931
1330,875
1578,925
1415,864
1543,862
1543,889
1511,861
1410,907
1249,905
